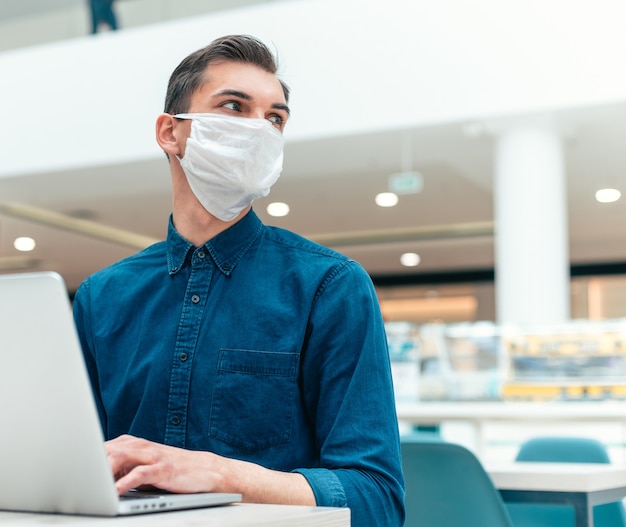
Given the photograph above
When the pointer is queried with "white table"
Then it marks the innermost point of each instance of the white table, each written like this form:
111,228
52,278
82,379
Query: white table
235,515
581,485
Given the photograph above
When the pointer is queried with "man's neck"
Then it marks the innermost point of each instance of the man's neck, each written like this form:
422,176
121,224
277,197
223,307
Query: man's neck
197,225
192,221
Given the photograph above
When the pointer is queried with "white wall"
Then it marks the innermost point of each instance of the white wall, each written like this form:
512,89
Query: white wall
354,66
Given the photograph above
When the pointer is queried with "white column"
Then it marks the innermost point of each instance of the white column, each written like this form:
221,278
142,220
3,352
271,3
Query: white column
531,235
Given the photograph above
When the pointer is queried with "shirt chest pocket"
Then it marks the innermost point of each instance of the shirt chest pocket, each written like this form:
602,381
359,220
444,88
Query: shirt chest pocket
253,398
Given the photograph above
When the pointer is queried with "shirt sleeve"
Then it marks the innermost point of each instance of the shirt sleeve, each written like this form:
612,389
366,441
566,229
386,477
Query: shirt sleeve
347,387
82,319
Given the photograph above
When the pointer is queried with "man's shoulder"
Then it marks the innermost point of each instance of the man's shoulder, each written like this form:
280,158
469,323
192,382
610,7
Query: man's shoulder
310,257
291,241
133,266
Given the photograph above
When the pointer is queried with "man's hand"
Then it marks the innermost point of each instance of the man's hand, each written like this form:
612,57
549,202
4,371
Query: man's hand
138,463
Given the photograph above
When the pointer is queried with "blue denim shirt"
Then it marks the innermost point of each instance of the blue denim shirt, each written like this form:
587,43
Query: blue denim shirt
259,345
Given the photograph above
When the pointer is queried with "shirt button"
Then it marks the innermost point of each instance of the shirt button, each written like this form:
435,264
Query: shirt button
175,420
183,357
195,299
225,267
201,254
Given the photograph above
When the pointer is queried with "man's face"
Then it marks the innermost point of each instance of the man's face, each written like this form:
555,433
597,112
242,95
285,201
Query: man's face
236,89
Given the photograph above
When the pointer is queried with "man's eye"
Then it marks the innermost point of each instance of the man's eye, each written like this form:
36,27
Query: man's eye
232,105
275,119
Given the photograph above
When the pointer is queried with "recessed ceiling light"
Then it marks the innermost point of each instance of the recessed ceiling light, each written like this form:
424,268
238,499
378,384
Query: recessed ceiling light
24,244
410,259
608,195
386,199
278,209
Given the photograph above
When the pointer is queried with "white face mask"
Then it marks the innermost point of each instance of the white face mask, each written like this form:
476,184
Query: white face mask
231,161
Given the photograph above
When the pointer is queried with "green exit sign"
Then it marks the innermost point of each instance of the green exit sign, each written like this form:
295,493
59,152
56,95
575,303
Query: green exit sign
406,183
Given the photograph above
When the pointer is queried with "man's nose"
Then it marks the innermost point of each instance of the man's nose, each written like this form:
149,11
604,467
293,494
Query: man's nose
258,113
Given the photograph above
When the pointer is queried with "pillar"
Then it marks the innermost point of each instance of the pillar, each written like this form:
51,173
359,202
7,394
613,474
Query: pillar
531,235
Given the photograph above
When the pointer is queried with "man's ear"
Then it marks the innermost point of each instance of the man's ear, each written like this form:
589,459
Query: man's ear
168,134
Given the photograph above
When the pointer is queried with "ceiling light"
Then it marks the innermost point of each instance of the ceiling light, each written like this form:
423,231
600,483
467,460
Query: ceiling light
278,209
608,195
410,259
24,244
386,199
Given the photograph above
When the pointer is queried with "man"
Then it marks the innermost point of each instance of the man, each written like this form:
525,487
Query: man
102,13
237,357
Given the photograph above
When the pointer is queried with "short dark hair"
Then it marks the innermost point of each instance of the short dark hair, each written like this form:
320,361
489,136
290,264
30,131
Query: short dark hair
189,75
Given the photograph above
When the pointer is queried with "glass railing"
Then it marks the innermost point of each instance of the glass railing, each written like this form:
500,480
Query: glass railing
36,22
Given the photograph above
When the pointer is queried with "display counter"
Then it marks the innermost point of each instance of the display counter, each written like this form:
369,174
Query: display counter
537,416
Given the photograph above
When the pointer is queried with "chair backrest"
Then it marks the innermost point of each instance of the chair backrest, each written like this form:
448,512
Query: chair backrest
565,450
446,486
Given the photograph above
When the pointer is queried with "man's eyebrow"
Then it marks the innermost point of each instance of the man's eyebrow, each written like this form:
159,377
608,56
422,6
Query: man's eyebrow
283,107
233,93
247,97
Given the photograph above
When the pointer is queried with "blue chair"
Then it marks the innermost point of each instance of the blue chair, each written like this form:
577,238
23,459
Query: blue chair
446,486
564,450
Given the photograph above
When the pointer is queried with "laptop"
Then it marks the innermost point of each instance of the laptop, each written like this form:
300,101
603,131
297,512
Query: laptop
52,456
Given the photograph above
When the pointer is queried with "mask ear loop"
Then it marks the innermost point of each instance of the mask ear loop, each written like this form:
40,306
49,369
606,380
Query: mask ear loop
186,116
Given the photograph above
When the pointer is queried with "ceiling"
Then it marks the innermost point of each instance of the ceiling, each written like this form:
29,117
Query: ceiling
330,186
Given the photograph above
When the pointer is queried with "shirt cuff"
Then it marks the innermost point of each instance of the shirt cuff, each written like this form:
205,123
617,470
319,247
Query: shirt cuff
326,486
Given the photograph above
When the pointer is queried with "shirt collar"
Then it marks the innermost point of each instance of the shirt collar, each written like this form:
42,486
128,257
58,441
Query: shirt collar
226,248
